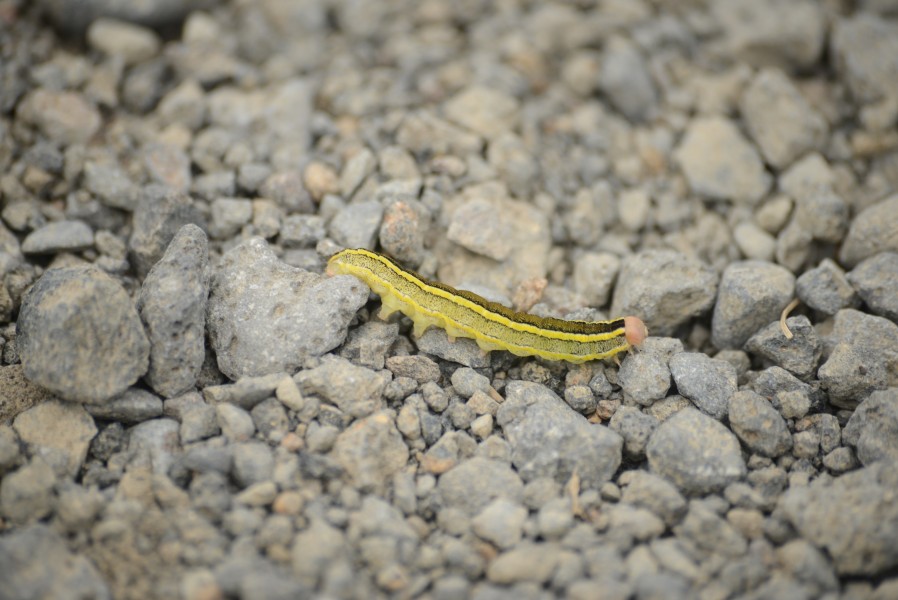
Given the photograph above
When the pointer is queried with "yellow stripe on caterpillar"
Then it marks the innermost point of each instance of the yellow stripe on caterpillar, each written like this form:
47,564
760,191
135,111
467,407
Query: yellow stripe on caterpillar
493,326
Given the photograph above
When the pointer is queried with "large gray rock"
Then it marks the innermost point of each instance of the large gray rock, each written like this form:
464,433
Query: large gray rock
549,439
36,563
752,294
58,432
79,335
664,288
873,428
471,486
159,215
696,453
172,306
854,518
265,316
872,231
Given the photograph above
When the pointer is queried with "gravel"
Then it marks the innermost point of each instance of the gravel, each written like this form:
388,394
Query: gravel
190,408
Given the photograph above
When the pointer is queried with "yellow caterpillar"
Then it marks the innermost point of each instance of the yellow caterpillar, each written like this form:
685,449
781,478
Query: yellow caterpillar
492,326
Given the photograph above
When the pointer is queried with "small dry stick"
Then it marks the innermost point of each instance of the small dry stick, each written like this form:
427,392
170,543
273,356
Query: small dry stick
785,328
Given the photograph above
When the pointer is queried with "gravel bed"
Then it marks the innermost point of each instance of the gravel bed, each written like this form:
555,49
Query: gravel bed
190,408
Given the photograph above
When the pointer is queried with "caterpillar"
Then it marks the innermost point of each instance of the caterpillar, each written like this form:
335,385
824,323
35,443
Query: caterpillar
493,326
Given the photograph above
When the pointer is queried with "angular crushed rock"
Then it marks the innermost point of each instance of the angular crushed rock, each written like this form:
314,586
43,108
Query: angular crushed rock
854,518
708,382
172,306
876,282
696,453
79,335
759,425
267,317
798,355
549,439
751,295
873,428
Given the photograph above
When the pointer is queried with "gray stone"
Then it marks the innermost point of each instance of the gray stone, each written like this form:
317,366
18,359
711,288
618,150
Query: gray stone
63,116
822,214
59,573
626,523
26,494
625,79
270,419
647,490
696,453
168,165
871,232
759,425
355,170
826,288
876,282
156,13
708,382
79,335
486,111
229,216
709,532
134,406
267,317
798,355
253,463
246,392
236,424
111,185
198,422
420,368
581,398
853,518
132,43
873,428
783,124
356,391
159,215
806,563
644,378
528,561
719,163
9,448
57,432
59,236
664,288
172,306
302,231
555,518
863,359
356,225
864,49
594,275
371,451
751,295
155,443
463,351
315,549
548,439
475,483
467,381
635,427
789,35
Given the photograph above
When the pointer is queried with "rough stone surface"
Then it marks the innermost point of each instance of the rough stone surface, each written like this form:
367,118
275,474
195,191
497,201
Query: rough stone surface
719,163
853,518
549,439
474,484
267,317
664,288
371,451
59,433
172,306
80,337
871,232
159,215
695,452
751,295
759,425
708,382
59,573
876,282
798,355
864,358
873,428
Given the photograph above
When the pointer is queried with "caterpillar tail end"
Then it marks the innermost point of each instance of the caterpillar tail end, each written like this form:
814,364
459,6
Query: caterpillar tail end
635,330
